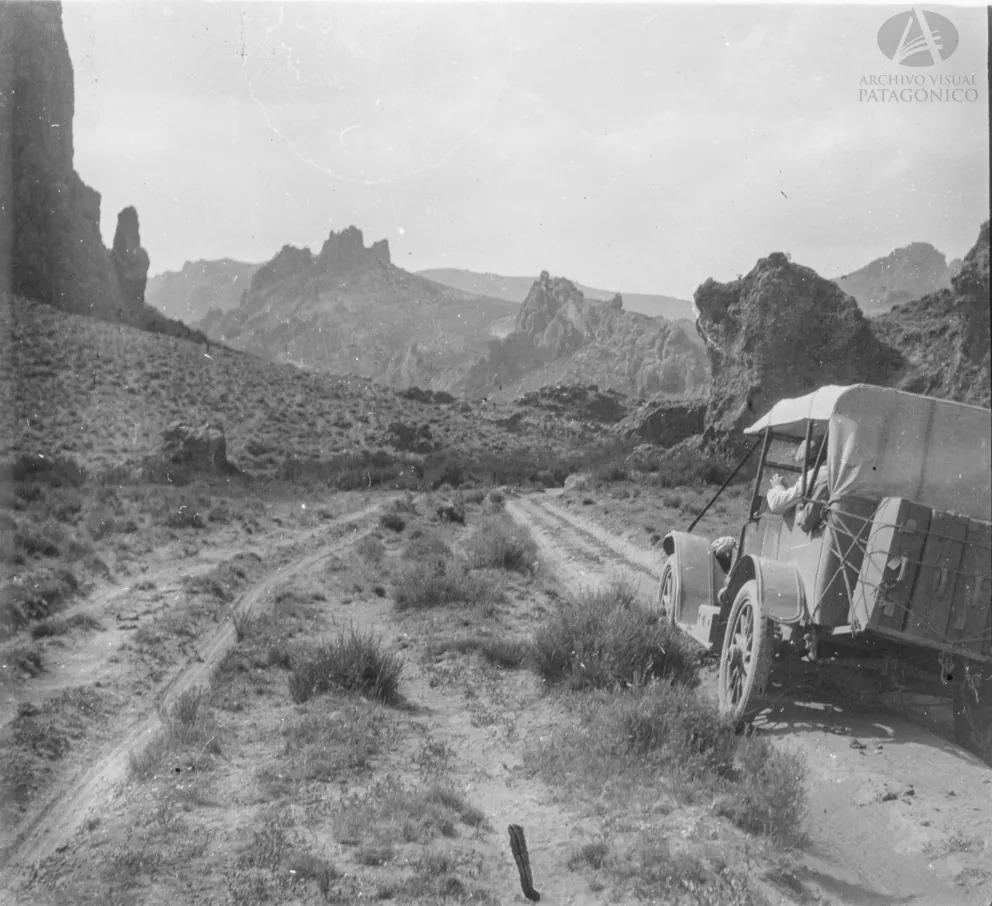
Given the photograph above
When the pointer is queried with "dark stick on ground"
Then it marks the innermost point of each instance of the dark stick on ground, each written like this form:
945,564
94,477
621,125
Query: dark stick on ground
518,845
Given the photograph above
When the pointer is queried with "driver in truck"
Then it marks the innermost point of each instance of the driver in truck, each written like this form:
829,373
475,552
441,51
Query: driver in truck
781,498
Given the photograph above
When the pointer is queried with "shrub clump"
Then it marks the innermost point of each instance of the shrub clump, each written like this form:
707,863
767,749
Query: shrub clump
434,581
607,640
500,543
770,794
355,662
392,521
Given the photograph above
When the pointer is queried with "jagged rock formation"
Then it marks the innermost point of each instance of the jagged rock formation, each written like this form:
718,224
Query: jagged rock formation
349,310
515,289
200,287
50,245
943,338
902,275
129,258
560,337
781,330
663,423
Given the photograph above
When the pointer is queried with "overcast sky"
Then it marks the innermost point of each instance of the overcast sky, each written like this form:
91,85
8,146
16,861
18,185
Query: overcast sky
642,147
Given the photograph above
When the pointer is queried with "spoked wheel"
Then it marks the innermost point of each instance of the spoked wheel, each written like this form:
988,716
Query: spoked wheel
973,712
746,657
667,596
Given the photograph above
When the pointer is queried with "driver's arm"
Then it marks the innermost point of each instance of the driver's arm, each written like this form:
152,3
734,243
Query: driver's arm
781,498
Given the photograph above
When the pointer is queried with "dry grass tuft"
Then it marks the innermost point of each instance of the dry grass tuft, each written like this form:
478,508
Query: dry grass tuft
606,639
498,542
355,662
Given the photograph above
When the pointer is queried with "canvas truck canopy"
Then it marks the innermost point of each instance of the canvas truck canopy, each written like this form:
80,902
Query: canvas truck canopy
886,443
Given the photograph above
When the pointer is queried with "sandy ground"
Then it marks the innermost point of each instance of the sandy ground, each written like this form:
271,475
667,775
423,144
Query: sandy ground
897,813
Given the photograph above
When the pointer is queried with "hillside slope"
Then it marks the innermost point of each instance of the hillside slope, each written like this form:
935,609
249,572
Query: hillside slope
201,286
943,338
349,310
103,394
902,275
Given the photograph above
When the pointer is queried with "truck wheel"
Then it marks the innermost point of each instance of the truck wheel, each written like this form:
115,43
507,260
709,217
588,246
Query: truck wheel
973,714
667,592
746,656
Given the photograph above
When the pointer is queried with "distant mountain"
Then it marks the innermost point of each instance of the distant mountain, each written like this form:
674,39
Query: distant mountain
901,276
515,289
349,310
561,337
199,287
943,338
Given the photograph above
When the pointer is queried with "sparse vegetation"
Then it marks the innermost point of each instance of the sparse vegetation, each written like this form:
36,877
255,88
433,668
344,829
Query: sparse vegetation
354,662
188,729
511,653
498,542
606,639
391,813
57,626
432,582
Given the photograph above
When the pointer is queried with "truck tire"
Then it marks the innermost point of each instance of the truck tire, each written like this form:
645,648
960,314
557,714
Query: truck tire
668,592
746,656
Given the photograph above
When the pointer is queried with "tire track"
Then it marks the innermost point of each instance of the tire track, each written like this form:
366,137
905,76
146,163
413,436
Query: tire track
590,554
57,819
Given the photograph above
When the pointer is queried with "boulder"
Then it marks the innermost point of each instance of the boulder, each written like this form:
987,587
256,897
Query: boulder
199,448
780,331
663,422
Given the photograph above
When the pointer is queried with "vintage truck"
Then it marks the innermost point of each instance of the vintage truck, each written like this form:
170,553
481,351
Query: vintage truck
892,565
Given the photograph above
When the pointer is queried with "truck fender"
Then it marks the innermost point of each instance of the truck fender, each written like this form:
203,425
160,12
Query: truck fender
780,589
692,567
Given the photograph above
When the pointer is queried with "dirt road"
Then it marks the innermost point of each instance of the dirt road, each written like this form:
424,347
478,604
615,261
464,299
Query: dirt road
897,814
68,805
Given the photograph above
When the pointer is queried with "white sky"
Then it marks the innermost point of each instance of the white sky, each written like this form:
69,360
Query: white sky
636,147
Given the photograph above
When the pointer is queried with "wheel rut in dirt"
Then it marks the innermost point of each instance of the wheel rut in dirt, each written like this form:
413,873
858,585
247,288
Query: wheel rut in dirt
897,814
56,819
582,554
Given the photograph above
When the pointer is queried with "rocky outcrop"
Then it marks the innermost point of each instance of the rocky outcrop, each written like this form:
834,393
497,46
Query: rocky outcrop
349,310
904,274
943,338
345,252
663,423
201,448
50,245
586,403
515,289
561,337
781,330
129,258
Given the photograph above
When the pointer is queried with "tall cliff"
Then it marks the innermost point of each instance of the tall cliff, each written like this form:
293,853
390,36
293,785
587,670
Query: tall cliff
50,245
561,337
781,330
